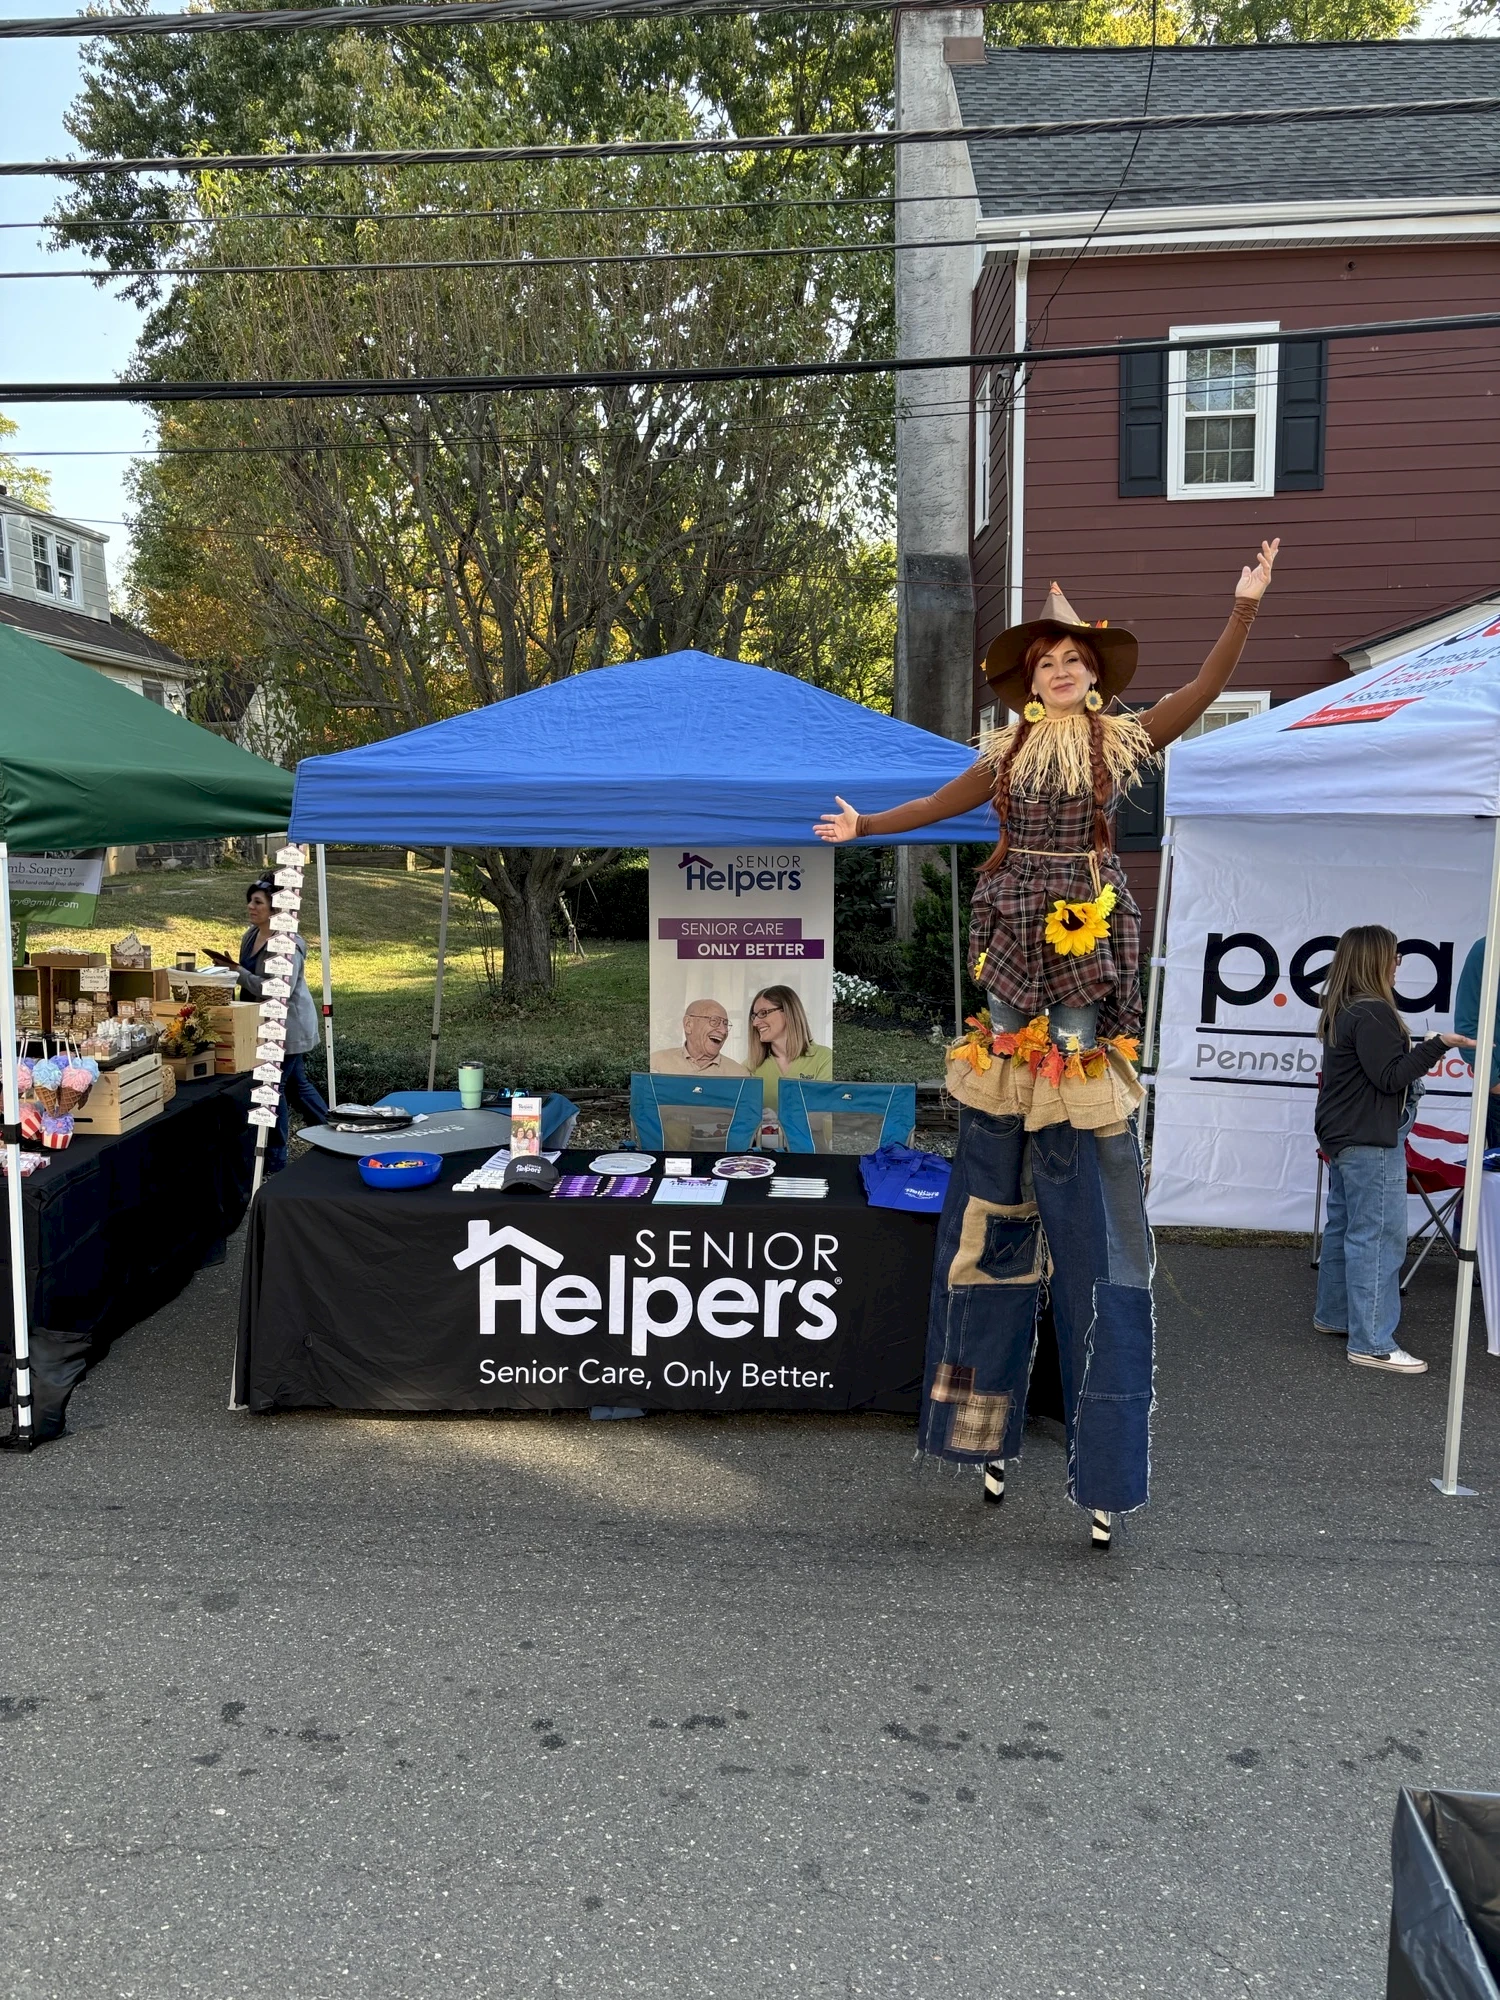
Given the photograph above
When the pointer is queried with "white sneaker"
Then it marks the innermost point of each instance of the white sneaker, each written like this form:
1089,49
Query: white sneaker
1398,1362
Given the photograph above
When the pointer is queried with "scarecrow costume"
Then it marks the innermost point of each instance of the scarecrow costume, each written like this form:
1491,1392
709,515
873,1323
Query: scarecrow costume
1046,1202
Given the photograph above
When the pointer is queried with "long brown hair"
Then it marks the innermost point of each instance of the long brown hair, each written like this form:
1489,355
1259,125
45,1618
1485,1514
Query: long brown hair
1031,659
799,1036
1363,965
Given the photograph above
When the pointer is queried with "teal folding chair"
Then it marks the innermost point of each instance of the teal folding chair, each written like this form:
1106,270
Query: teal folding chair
687,1114
845,1117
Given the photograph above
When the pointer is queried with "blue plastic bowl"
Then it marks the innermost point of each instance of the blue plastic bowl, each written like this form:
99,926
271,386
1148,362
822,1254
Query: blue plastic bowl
404,1169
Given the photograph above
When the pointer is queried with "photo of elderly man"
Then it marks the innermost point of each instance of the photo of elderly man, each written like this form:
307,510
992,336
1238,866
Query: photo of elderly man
705,1030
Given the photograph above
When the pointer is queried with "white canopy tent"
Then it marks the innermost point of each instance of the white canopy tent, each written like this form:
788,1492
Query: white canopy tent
1377,801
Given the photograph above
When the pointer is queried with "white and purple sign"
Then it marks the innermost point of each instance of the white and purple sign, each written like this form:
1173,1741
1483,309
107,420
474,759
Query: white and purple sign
726,924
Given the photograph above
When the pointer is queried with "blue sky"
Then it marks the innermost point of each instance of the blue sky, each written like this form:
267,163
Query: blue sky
70,330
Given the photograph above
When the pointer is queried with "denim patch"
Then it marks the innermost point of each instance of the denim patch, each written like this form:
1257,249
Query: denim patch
999,1244
1110,1461
1127,1235
1054,1154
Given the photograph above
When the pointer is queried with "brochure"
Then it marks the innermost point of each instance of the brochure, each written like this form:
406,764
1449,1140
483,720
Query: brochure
691,1190
525,1125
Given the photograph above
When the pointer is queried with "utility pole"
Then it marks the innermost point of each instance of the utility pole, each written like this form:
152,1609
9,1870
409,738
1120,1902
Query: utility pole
934,294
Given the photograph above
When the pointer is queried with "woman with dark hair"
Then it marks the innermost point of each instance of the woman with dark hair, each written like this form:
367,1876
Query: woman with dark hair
1367,1101
301,1018
1047,1163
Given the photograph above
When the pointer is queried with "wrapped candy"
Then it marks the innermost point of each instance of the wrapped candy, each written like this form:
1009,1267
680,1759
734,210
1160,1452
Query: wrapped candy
46,1081
31,1121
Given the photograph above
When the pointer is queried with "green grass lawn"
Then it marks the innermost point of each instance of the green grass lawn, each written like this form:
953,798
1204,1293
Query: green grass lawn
383,928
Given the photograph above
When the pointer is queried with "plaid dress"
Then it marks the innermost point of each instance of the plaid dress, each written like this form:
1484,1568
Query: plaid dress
1010,909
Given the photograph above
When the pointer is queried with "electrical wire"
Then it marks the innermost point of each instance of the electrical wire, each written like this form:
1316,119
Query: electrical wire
763,142
404,387
104,274
436,14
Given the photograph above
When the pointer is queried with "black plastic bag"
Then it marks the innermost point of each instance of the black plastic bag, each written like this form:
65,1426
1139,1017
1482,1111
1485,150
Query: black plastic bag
1445,1897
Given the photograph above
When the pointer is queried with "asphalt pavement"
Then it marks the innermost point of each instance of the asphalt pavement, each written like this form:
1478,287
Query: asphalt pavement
312,1705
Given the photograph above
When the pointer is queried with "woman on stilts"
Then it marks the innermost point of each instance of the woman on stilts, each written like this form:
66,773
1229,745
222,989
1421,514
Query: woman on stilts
1046,1184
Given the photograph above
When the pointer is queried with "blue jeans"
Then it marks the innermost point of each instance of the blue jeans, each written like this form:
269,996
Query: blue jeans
1364,1244
1062,1022
1012,1199
295,1082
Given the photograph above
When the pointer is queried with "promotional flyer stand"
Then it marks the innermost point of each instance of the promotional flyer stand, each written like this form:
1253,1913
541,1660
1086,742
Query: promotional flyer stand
85,762
1388,786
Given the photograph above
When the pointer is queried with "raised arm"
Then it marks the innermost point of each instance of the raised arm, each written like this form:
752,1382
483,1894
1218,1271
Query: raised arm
1176,712
959,795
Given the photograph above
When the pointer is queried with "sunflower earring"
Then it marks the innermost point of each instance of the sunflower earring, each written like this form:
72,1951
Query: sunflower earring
1093,701
1034,711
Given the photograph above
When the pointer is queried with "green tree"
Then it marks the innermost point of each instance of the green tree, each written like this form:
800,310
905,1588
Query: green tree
22,482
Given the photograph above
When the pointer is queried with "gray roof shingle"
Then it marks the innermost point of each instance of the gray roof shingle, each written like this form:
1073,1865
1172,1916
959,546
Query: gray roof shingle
1390,159
76,627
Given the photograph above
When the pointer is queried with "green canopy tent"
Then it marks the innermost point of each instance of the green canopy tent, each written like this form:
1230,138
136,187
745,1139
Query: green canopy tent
85,762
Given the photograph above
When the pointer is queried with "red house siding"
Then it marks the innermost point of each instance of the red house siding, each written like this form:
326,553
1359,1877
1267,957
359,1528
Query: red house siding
1404,528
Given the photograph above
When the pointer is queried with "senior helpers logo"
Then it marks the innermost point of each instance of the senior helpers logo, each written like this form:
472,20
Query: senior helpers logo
778,1286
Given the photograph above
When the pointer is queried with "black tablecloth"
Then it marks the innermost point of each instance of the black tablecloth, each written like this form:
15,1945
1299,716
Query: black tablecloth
116,1227
352,1298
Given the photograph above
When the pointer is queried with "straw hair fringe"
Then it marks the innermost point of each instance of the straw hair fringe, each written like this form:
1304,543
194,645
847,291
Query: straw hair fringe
1055,754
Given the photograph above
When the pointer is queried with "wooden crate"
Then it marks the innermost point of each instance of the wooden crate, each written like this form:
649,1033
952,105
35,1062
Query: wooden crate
236,1029
122,1099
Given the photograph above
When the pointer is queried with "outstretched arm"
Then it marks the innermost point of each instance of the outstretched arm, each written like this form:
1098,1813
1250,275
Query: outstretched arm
1176,712
959,795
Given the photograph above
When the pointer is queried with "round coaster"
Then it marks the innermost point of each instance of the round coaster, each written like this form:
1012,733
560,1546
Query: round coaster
622,1163
744,1167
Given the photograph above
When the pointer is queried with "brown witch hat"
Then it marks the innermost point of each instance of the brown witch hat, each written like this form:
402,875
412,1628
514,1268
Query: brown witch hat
1118,650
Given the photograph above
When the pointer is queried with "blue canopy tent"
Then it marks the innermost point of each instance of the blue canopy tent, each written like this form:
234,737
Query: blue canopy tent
687,748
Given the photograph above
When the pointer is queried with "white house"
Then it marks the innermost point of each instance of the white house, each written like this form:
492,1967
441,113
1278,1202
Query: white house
54,587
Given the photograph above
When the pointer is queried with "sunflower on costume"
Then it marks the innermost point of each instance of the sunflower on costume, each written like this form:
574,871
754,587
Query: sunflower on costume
1074,929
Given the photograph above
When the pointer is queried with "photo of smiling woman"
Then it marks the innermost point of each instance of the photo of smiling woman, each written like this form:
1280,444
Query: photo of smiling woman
780,1042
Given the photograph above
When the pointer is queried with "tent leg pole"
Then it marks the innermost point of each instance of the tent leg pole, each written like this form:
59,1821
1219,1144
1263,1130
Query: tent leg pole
958,963
333,1093
437,991
1468,1235
22,1437
1155,980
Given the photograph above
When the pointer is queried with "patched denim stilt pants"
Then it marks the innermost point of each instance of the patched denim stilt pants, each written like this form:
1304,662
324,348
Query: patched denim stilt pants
1066,1209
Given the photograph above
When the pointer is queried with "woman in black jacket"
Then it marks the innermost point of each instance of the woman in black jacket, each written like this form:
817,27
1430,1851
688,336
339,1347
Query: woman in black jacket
1367,1099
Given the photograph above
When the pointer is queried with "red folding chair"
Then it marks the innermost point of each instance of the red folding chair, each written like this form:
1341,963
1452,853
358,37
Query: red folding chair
1435,1174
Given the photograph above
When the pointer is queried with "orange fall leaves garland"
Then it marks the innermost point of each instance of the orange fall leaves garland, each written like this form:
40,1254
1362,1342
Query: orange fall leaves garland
1030,1047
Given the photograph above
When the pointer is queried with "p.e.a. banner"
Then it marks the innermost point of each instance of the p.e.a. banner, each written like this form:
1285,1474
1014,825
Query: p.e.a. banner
61,888
1257,906
726,922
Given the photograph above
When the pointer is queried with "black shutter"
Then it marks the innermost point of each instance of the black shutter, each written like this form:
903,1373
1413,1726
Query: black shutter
1143,425
1301,405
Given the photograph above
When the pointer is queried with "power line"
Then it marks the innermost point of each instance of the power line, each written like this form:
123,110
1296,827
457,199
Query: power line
402,387
763,142
104,274
440,13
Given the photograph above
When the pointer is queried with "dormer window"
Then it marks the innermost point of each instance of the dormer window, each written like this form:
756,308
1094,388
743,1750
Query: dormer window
54,566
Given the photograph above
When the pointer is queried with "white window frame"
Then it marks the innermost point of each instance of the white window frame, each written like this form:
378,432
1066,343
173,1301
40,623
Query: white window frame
1266,371
4,552
47,555
1236,707
984,396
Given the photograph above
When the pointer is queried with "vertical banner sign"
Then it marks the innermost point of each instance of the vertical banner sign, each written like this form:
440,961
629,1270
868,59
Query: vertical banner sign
1257,908
61,888
725,923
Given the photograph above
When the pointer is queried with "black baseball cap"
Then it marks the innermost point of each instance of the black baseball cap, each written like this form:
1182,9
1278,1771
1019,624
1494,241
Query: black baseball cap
530,1171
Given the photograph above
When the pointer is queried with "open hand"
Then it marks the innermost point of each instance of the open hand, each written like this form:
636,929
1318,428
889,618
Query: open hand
1254,583
1457,1041
840,826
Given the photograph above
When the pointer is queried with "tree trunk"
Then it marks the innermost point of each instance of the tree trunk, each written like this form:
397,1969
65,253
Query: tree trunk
526,973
